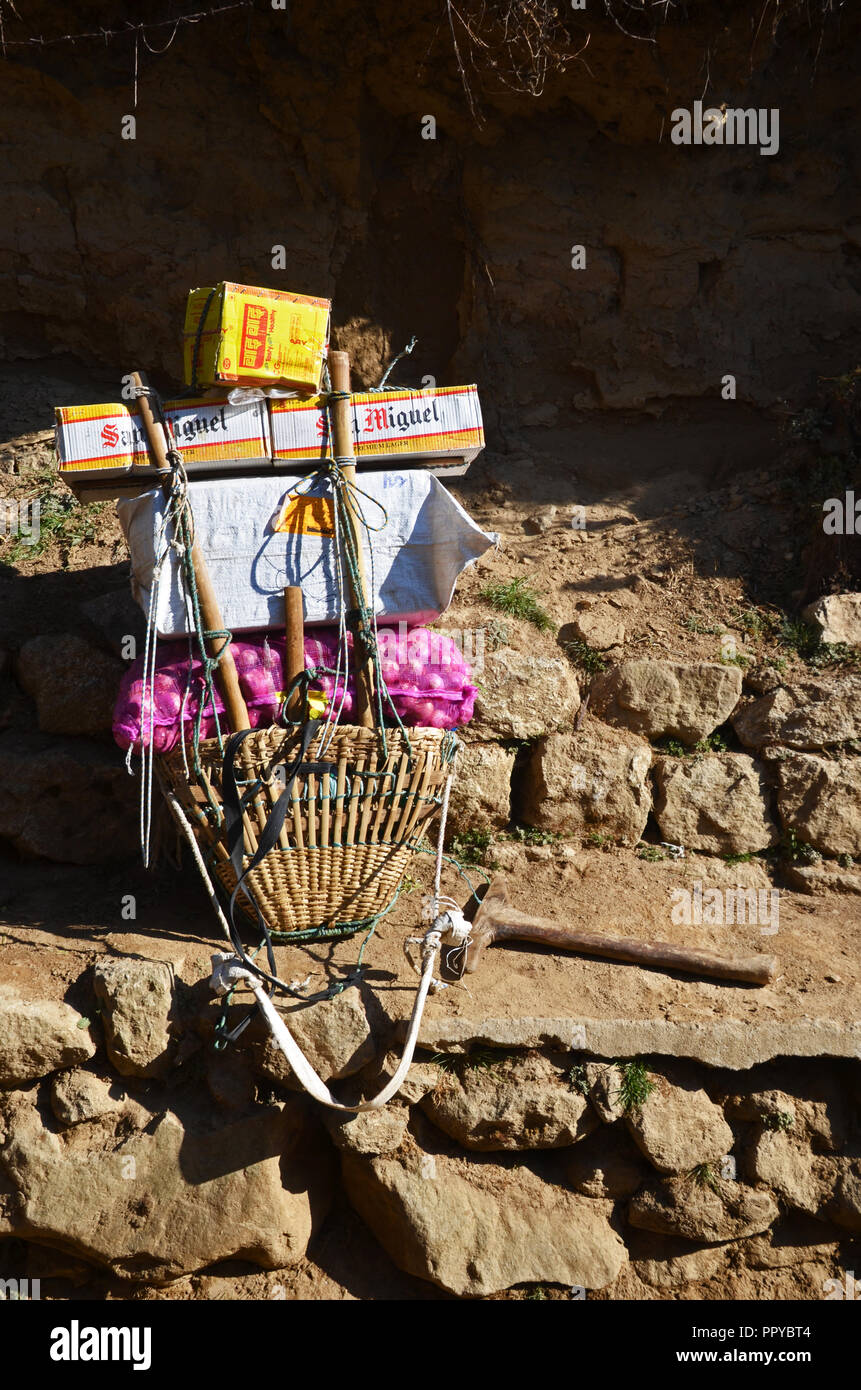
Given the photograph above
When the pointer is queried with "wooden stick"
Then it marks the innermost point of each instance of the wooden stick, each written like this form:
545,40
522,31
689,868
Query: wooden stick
225,672
496,921
342,447
294,662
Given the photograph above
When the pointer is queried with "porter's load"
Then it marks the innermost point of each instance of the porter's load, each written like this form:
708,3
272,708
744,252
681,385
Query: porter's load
261,535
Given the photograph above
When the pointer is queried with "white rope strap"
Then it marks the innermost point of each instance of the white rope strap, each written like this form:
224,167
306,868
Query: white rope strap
227,972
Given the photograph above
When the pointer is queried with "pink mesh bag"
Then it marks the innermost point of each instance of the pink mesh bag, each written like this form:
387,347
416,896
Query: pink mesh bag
427,679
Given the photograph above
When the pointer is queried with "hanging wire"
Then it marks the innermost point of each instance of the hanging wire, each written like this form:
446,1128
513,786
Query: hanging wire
140,27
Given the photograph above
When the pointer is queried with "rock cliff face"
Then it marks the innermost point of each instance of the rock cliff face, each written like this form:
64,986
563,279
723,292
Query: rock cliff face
303,128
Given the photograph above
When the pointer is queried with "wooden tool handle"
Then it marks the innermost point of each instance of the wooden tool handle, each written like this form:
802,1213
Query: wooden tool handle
507,924
342,447
225,672
294,661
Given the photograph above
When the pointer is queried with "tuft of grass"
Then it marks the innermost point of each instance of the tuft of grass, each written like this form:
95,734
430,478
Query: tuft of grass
738,858
704,1176
636,1086
799,637
446,1061
585,656
518,599
537,1294
480,1059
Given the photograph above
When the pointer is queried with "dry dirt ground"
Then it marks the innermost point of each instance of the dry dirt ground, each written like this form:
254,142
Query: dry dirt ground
682,568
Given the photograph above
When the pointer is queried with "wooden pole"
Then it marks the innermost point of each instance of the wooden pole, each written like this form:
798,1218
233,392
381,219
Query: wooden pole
495,921
294,660
342,447
225,672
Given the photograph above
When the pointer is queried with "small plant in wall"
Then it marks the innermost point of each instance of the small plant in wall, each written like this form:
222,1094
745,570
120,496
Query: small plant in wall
703,1175
636,1085
780,1121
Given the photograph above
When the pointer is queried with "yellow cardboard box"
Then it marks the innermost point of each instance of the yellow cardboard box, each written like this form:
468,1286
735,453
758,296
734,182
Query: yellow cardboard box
254,337
387,425
108,441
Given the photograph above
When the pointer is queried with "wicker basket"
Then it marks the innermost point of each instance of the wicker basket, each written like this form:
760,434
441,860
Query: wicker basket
348,835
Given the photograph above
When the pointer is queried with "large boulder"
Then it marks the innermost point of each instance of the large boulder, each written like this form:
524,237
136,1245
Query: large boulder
166,1200
600,626
70,800
481,788
810,714
137,1002
711,1210
73,683
667,699
671,1262
838,618
39,1036
717,803
818,1112
78,1096
820,799
335,1035
677,1127
515,1103
523,696
802,1179
592,781
845,1206
478,1227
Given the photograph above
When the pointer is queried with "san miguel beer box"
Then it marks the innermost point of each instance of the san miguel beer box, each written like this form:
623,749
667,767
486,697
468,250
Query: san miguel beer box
387,425
244,336
106,442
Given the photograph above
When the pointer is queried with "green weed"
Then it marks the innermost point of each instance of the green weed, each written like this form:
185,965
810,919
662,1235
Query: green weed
577,1079
636,1086
518,599
471,846
779,1121
585,656
704,1176
529,835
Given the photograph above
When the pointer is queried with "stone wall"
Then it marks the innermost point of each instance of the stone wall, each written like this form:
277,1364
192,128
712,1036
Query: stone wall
794,772
492,1169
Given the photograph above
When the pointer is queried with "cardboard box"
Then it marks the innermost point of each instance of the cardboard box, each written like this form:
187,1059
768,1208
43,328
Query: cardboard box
255,337
106,442
387,425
